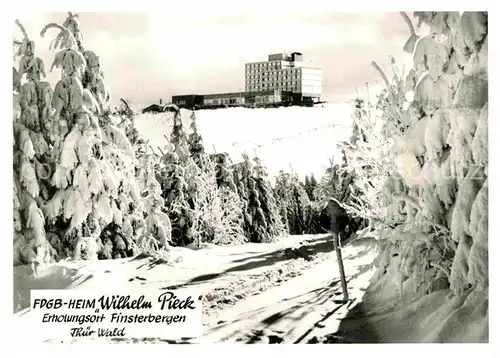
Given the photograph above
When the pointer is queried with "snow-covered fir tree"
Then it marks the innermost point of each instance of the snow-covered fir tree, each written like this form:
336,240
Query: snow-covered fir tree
232,205
262,220
175,189
310,184
127,116
430,151
293,203
153,236
86,164
199,210
32,160
196,147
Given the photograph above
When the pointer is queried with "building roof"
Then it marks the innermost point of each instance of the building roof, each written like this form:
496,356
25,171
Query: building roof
313,68
185,95
153,108
238,94
158,108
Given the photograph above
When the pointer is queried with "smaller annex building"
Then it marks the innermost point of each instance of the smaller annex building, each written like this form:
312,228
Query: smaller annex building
246,99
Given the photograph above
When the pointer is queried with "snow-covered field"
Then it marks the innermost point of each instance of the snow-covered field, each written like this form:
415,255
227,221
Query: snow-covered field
284,138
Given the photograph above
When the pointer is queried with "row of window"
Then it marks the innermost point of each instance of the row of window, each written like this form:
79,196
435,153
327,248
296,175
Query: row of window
273,75
223,101
269,87
269,99
281,72
273,78
258,99
271,83
263,65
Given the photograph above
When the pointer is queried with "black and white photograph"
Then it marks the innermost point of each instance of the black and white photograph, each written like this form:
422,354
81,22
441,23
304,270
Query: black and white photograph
254,176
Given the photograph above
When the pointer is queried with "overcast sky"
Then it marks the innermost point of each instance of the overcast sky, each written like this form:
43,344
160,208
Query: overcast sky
148,56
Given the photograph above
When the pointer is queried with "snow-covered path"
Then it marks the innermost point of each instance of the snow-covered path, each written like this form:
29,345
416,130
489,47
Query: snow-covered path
188,267
280,292
305,307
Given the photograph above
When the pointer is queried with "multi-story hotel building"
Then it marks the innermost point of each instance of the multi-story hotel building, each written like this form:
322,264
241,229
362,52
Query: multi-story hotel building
281,79
286,73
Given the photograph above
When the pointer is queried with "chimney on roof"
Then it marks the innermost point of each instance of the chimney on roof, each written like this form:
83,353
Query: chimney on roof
297,57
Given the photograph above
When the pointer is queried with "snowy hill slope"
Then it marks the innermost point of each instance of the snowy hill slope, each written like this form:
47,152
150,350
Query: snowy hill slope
302,137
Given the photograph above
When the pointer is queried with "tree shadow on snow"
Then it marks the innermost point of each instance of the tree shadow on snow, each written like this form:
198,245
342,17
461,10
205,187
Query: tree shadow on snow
307,252
155,261
357,255
296,313
353,329
300,310
306,248
355,326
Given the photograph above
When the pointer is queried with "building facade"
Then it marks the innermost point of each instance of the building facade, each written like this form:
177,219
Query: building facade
247,98
188,100
284,72
282,79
